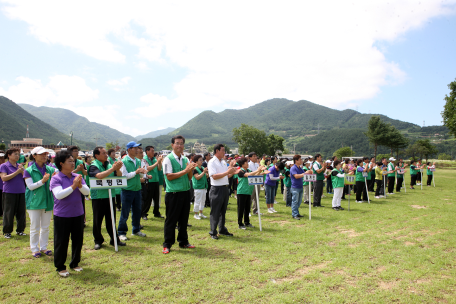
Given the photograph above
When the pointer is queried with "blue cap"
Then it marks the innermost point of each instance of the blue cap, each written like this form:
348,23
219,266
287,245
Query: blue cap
132,144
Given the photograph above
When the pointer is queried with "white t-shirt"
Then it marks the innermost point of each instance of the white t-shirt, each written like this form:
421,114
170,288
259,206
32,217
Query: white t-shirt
167,167
216,166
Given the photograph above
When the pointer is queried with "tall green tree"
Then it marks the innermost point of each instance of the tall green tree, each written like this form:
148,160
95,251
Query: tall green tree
426,148
377,132
250,139
396,140
274,143
344,152
449,110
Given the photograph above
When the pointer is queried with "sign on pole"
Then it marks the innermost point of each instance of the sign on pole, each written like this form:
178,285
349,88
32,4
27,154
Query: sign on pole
421,173
109,183
349,180
256,180
365,175
311,178
385,173
402,171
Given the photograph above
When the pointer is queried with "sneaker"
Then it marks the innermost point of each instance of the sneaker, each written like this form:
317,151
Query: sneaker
270,210
202,215
7,235
418,184
360,202
123,237
139,233
21,233
235,196
390,193
250,226
250,214
190,246
165,250
335,208
377,197
196,217
144,218
340,208
276,202
77,268
242,227
256,213
64,273
273,210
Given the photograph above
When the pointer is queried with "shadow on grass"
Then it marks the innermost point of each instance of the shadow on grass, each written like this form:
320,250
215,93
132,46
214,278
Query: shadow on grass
204,252
95,276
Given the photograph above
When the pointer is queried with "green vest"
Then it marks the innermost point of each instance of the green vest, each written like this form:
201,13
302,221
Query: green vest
202,182
101,193
413,171
391,167
359,175
179,184
154,171
76,164
305,169
337,182
40,198
134,183
320,176
429,172
161,178
287,179
21,159
117,190
243,185
368,173
400,175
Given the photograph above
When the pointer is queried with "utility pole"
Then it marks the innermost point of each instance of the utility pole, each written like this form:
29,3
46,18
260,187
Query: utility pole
96,141
294,148
71,138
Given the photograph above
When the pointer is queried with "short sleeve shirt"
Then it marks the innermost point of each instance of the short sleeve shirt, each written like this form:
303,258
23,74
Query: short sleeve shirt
15,185
215,166
296,182
70,206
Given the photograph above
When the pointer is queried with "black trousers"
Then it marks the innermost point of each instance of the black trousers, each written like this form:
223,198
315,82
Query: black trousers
118,202
83,205
413,180
379,187
243,203
152,193
418,176
1,202
208,201
371,183
399,184
13,206
101,210
429,180
177,210
361,188
391,184
281,186
318,192
219,202
63,228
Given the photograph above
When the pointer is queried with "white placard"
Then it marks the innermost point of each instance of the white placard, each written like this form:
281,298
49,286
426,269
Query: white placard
255,180
365,174
402,171
432,169
310,178
111,182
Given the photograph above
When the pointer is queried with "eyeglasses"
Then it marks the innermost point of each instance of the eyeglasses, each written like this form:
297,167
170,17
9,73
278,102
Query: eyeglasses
179,144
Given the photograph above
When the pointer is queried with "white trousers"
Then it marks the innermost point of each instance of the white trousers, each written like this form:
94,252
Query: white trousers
39,229
200,200
337,196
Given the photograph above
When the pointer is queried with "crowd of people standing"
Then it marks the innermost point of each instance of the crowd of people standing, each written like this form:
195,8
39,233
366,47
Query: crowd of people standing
58,186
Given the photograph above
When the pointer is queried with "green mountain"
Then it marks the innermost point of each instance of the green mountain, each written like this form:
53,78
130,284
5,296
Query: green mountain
155,133
14,121
67,121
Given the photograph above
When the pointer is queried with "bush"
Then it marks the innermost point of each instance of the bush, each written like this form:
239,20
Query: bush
444,156
380,156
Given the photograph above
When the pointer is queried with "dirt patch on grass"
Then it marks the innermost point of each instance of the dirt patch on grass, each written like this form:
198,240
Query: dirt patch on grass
23,261
281,223
418,207
350,232
409,243
302,272
387,285
381,268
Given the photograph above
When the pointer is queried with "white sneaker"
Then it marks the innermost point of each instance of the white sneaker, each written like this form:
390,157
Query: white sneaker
360,202
250,214
273,210
276,202
123,237
418,184
262,188
139,233
390,193
377,197
197,217
202,216
270,211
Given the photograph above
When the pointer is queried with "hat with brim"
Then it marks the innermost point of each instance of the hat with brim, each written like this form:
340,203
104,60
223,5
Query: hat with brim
308,162
328,161
392,159
38,150
2,154
290,162
132,144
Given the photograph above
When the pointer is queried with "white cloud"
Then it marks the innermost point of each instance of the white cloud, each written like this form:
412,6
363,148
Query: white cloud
59,91
241,52
120,82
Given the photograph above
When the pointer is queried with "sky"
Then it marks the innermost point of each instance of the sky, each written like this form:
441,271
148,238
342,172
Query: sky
141,66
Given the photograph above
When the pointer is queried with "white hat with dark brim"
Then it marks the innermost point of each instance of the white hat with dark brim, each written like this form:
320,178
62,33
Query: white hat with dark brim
308,162
392,159
38,150
290,162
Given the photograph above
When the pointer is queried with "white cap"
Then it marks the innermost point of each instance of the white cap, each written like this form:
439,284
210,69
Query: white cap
2,154
328,161
38,150
290,162
308,162
392,159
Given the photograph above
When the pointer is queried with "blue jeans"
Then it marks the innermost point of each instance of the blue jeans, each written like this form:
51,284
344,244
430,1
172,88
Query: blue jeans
130,200
270,193
289,196
296,200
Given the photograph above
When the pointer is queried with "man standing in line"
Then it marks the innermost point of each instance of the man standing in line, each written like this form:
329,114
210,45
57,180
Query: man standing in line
253,166
153,187
220,193
131,196
319,170
207,158
178,172
391,175
101,168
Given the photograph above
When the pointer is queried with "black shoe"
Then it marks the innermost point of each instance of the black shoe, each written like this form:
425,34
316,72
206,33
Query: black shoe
159,216
214,237
119,243
250,226
296,217
340,208
242,227
299,215
306,202
226,234
141,227
188,225
97,247
335,208
320,206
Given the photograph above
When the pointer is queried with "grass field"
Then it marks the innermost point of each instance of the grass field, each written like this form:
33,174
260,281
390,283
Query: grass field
401,249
